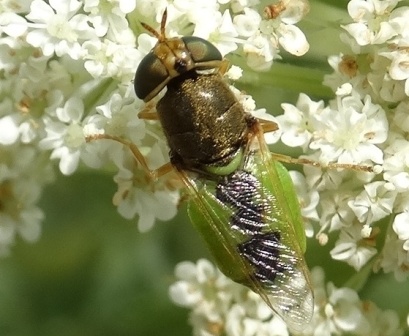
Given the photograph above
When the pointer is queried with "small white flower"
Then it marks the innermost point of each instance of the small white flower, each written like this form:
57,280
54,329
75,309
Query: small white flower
247,24
382,86
335,213
382,322
343,309
374,203
58,28
401,227
131,201
219,30
346,71
282,28
394,258
9,130
350,131
23,173
12,24
117,117
106,15
193,282
399,68
135,197
323,179
260,51
352,248
293,40
296,122
371,21
339,311
221,306
396,165
204,289
294,11
109,59
65,135
234,72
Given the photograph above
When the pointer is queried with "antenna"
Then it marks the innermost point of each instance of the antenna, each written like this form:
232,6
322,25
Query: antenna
160,36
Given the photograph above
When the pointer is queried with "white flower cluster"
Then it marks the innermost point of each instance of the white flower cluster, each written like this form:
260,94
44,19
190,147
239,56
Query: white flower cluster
349,130
66,71
339,311
239,24
222,307
365,124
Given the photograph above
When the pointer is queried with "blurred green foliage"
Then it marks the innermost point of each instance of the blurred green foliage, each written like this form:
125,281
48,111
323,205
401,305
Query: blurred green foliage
92,272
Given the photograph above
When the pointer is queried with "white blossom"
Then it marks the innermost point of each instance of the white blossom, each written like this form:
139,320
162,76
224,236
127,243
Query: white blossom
58,28
351,134
9,131
374,203
12,24
247,24
105,15
108,59
65,135
371,25
353,248
219,306
23,173
220,31
395,258
134,198
297,121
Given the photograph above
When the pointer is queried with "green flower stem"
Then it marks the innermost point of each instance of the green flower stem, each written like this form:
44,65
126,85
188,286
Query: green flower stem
327,14
358,280
290,77
322,29
94,95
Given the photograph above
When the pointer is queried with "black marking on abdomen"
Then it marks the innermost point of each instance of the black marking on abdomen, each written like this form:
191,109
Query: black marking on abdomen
263,253
241,191
262,250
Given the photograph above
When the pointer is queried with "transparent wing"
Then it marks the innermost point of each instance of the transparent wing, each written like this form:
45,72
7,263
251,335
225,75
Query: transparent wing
279,261
250,229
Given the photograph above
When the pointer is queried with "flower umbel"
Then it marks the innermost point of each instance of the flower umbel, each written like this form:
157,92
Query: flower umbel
222,307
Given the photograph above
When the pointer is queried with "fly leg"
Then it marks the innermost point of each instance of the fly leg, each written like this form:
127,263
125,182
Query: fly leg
152,175
330,165
263,126
148,112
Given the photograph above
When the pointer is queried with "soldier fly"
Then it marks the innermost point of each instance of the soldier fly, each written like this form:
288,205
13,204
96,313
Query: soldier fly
241,198
242,201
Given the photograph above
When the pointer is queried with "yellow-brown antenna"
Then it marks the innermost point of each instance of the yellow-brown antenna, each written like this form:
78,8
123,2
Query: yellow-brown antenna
160,36
163,22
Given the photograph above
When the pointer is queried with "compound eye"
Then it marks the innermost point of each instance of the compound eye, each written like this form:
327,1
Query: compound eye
201,50
150,76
